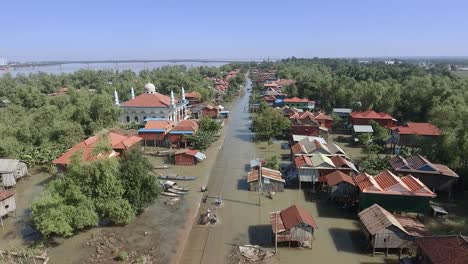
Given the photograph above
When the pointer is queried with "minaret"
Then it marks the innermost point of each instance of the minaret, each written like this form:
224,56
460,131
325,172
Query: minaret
172,99
173,109
116,98
183,95
133,93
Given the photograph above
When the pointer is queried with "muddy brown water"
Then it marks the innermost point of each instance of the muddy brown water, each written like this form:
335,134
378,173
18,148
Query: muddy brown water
242,220
244,215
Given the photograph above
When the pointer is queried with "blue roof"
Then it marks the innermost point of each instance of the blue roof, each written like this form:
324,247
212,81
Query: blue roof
181,132
279,101
155,119
151,130
224,112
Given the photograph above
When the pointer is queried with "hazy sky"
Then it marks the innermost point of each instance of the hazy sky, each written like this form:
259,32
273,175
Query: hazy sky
55,30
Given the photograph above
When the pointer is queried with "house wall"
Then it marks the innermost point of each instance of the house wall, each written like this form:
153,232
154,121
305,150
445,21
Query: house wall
436,182
184,159
395,203
392,237
414,140
300,233
304,130
365,121
342,191
7,206
275,186
213,113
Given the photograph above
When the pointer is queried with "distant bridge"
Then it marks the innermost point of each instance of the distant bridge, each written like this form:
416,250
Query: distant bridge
51,63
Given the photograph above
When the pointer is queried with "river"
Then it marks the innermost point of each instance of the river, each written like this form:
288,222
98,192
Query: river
136,67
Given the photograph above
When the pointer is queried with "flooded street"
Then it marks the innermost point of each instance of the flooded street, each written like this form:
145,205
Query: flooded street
244,216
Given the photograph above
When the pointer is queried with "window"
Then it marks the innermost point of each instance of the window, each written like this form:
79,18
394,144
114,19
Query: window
6,206
136,118
128,119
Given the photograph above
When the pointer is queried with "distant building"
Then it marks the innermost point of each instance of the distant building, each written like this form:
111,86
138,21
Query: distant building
11,170
409,134
179,134
293,224
302,103
387,231
193,98
363,118
342,112
152,104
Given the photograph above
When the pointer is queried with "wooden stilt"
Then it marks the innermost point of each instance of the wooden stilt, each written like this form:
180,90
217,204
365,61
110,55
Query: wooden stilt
386,252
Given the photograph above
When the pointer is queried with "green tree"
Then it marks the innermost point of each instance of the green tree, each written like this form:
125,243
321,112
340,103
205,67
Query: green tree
269,124
272,163
209,124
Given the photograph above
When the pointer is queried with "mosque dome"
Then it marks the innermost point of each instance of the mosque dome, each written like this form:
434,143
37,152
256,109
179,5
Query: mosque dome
150,88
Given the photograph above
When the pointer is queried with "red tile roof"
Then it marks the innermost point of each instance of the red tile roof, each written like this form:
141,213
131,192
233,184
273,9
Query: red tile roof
322,116
295,215
196,95
337,177
187,125
444,249
302,160
191,152
159,124
297,100
117,141
149,100
387,183
420,129
6,194
370,114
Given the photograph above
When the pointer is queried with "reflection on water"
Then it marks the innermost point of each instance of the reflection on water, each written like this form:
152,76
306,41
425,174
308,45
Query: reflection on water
134,66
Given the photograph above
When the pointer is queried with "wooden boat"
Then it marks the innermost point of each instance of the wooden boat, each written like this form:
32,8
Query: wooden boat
182,189
171,194
162,167
177,177
172,190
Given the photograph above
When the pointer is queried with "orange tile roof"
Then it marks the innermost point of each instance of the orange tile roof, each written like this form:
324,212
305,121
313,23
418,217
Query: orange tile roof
386,179
187,125
149,100
322,116
295,215
266,173
196,95
297,100
118,142
337,177
302,160
421,129
159,124
370,114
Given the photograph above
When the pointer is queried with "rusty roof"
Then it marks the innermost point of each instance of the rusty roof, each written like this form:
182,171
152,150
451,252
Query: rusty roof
444,249
6,194
266,173
337,177
187,125
376,220
295,215
421,129
371,114
302,160
419,164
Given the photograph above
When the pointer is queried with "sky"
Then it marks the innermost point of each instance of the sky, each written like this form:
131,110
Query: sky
241,29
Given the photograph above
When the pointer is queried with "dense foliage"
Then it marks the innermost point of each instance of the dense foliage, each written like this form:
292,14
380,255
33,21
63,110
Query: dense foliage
110,189
269,123
206,134
41,122
405,90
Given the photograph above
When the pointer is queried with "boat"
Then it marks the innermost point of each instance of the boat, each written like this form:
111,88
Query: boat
171,194
177,177
172,190
173,185
162,167
182,189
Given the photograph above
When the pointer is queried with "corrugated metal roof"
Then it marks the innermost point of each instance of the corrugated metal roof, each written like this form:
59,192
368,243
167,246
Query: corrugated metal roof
362,129
9,165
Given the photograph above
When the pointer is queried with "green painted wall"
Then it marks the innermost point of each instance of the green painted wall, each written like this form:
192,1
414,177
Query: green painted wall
392,203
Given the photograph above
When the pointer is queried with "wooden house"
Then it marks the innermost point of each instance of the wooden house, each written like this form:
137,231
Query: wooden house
188,157
411,133
271,180
193,98
451,249
406,194
155,132
301,103
293,224
7,203
178,134
436,177
363,118
11,170
341,187
385,231
325,121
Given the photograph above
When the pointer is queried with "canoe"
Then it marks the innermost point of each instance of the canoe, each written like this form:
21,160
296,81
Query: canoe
171,194
179,188
177,178
172,190
162,167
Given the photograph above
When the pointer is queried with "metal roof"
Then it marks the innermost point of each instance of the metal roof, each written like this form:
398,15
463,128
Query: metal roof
362,129
9,165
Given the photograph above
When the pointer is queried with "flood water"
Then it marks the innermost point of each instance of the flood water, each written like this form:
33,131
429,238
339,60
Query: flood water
245,215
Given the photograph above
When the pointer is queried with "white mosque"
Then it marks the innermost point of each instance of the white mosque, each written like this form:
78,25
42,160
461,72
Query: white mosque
152,104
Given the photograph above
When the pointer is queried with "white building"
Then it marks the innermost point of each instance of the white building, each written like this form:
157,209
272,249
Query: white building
152,104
